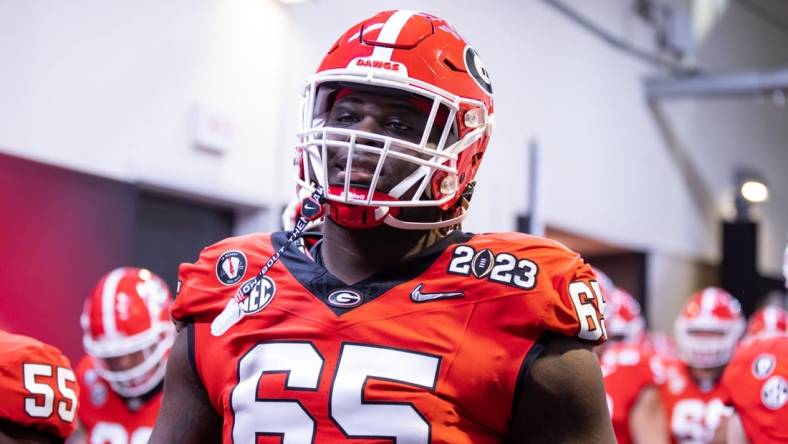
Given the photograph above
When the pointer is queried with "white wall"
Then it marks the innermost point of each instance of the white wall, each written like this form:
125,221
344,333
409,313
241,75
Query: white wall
107,87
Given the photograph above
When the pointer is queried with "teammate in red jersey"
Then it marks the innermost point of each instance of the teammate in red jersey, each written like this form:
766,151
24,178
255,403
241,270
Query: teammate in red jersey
660,344
707,331
771,320
632,373
756,381
38,392
127,337
756,384
396,326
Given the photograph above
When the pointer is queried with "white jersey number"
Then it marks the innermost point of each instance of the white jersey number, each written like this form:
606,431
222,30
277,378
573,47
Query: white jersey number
695,421
46,406
304,365
114,433
592,327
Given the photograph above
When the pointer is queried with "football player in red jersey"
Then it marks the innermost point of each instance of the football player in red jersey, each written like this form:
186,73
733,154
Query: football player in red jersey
755,383
707,332
771,320
38,392
127,337
396,326
632,373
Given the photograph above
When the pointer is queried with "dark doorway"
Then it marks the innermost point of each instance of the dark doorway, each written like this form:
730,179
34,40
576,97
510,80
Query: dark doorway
171,230
627,270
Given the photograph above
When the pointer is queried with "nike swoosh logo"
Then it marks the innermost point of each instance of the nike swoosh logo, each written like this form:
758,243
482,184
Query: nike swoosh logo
417,296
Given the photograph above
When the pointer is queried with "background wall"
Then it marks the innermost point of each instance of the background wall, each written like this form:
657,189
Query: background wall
65,230
110,88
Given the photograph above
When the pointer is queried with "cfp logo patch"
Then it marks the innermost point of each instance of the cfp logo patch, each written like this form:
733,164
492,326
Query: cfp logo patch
231,267
262,294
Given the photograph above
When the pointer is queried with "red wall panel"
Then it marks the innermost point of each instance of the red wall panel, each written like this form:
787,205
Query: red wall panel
59,232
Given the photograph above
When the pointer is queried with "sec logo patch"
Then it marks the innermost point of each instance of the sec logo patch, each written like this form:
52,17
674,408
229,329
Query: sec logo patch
262,293
774,392
231,267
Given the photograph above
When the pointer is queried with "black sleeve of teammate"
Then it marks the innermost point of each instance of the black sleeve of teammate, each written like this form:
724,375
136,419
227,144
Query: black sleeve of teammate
12,433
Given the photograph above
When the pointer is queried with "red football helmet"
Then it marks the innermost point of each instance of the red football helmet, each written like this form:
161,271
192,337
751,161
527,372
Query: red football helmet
421,58
768,321
622,317
606,285
127,330
708,328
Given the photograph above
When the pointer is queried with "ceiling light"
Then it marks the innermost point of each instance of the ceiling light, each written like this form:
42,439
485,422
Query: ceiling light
754,191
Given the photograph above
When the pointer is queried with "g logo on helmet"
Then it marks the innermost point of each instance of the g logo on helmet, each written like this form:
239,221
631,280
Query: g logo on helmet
262,293
475,67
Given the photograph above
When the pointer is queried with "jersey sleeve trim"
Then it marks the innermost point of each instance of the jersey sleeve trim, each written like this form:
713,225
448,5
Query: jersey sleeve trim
525,368
190,347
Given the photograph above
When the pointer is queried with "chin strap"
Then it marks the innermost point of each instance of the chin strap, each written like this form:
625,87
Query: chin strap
404,225
452,223
311,209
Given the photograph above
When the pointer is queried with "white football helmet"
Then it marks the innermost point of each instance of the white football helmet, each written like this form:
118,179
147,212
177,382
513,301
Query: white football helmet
708,328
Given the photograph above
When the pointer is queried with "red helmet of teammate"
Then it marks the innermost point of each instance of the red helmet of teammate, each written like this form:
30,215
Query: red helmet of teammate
708,328
768,321
623,319
606,285
127,330
422,59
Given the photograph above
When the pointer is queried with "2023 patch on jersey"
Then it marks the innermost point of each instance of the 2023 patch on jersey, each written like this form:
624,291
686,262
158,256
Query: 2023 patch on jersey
428,351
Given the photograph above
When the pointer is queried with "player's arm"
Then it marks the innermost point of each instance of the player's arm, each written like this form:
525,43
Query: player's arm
647,422
562,399
11,433
186,414
732,430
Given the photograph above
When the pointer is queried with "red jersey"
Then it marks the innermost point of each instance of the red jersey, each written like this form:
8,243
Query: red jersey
38,388
693,411
430,350
756,385
107,417
628,369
